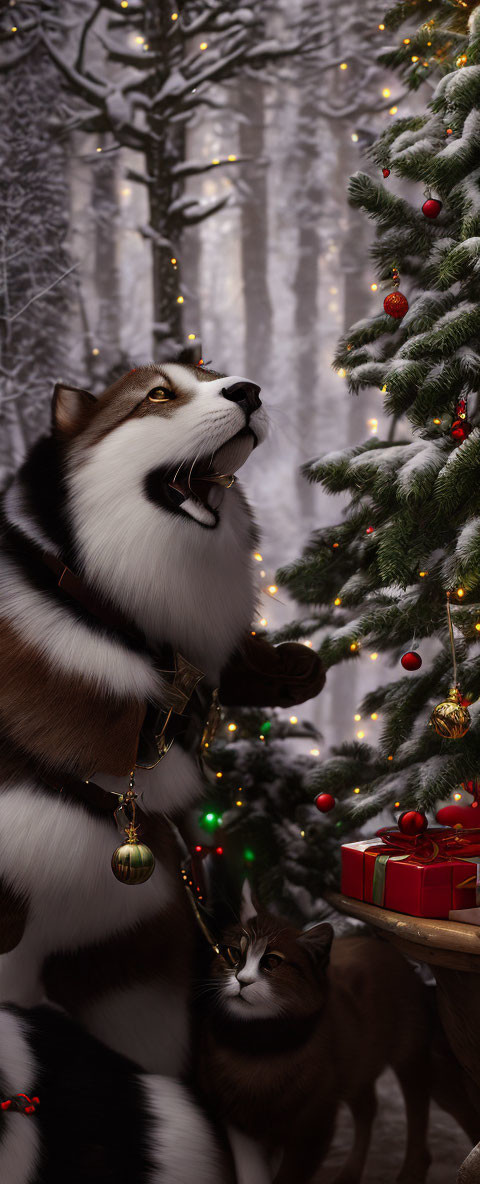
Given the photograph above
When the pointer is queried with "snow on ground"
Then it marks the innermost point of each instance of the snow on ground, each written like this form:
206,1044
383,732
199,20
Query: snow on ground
448,1144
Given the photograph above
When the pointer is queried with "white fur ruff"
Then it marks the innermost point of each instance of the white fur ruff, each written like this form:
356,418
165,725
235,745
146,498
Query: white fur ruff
182,1148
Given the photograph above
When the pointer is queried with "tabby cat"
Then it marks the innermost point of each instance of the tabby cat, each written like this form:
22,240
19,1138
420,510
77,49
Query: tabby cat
292,1026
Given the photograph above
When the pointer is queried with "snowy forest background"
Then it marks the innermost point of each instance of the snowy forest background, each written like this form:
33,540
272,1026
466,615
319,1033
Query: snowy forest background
220,136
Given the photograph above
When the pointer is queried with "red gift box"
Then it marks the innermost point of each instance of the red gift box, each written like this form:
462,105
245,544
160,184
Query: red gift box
425,875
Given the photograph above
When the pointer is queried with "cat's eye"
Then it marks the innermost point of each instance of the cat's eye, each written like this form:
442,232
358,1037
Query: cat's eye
271,961
232,955
160,394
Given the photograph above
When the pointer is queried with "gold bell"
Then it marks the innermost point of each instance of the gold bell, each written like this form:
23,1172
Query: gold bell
450,718
132,862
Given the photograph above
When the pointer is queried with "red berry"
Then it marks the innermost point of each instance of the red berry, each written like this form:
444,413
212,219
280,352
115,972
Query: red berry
396,304
411,660
386,172
324,802
5,1105
431,207
412,822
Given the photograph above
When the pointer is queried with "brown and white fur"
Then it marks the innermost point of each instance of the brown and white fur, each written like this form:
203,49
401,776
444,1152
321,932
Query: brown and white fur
73,693
291,1030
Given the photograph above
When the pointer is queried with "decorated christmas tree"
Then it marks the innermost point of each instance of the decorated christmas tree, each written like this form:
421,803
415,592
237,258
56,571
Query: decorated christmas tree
409,543
434,37
259,784
377,585
379,582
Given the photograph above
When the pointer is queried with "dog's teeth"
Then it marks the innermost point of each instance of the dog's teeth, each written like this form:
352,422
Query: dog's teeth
177,495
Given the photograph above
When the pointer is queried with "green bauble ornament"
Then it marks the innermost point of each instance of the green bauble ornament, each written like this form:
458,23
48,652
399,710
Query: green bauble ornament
132,862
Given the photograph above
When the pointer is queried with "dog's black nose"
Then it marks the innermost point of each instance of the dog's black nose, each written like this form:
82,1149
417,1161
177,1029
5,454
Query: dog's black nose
245,394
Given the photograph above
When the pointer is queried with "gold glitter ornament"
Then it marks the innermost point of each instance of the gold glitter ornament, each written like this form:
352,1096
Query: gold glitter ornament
451,719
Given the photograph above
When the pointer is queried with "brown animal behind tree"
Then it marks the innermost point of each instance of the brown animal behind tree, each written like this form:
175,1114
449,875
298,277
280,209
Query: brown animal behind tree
294,1026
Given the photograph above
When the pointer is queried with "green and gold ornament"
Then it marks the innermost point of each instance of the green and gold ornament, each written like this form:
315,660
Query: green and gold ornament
133,862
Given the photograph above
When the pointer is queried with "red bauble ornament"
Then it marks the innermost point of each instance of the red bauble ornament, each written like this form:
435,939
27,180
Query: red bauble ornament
324,802
411,660
386,172
431,207
412,822
460,429
396,304
467,816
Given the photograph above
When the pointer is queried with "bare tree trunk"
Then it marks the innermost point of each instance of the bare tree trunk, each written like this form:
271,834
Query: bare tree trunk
106,277
308,203
35,267
166,146
255,233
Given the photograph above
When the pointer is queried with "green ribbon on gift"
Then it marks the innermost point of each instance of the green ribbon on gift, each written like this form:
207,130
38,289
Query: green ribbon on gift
380,874
472,881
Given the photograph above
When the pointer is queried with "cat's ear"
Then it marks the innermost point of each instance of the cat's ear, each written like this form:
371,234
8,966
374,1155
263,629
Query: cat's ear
317,942
71,408
248,907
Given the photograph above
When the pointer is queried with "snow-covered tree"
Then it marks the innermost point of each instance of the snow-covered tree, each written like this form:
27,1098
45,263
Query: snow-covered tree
258,782
433,38
161,69
377,582
35,265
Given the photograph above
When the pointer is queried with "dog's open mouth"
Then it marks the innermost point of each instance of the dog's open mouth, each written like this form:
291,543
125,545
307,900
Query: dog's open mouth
197,488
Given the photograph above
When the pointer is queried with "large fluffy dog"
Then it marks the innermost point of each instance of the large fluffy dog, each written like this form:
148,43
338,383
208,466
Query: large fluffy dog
124,493
90,1117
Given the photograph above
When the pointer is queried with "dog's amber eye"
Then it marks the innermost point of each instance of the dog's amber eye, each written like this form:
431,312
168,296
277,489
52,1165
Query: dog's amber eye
160,394
271,961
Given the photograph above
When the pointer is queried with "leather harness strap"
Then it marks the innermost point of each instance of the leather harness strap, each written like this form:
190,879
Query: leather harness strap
88,792
75,587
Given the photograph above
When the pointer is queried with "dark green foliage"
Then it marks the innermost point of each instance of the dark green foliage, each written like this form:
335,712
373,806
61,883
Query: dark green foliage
376,582
411,531
434,35
273,783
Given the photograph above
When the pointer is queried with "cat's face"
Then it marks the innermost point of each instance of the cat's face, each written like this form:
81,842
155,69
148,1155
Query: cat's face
267,969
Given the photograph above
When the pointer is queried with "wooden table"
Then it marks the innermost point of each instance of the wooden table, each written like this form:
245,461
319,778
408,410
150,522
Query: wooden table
452,949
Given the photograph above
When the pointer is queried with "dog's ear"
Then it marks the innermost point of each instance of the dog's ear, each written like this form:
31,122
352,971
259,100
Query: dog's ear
248,906
71,408
190,355
317,942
